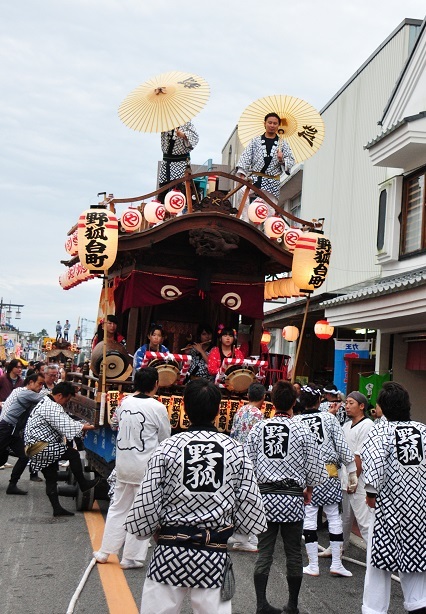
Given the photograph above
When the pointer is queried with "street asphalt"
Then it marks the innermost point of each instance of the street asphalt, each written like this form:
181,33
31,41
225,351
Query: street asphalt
43,560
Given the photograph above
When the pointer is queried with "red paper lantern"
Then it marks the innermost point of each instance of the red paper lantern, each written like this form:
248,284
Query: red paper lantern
323,329
266,337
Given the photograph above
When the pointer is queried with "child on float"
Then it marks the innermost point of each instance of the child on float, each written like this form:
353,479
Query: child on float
226,348
155,339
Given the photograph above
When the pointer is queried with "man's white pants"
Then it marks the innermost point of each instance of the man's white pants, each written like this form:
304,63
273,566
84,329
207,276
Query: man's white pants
158,598
331,510
377,586
115,534
354,506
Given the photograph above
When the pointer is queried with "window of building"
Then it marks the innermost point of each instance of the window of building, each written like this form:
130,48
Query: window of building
296,205
382,220
230,157
413,214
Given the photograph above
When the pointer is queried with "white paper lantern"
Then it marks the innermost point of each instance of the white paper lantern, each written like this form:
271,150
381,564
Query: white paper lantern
274,227
291,236
311,259
290,333
174,201
71,244
154,212
97,238
131,220
258,211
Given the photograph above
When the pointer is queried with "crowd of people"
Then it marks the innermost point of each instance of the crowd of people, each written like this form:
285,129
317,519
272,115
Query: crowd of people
201,493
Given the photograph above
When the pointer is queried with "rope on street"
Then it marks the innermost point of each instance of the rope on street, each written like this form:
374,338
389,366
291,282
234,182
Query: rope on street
356,562
80,587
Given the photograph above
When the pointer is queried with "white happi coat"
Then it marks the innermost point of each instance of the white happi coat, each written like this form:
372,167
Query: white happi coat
253,159
178,147
282,449
199,478
49,422
143,424
394,463
333,450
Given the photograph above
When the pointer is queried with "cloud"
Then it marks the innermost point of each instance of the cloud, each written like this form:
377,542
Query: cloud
66,67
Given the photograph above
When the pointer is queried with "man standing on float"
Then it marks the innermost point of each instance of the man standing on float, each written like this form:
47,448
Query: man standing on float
265,158
176,146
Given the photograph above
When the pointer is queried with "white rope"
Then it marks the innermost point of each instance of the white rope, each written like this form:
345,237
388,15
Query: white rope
80,587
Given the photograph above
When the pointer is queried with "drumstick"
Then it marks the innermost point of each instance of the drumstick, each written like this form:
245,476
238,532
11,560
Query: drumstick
188,347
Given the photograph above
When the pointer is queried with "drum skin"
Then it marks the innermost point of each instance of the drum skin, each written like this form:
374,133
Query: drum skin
117,359
168,372
239,377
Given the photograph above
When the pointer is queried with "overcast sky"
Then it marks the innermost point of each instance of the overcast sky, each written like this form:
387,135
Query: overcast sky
65,68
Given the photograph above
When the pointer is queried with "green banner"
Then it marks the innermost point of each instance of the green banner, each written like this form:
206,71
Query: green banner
371,385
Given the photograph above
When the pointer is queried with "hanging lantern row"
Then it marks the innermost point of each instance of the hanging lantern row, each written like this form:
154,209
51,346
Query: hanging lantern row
311,260
154,211
97,238
74,275
323,329
71,244
282,288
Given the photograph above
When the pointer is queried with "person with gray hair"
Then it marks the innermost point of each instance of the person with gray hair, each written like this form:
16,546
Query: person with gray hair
51,376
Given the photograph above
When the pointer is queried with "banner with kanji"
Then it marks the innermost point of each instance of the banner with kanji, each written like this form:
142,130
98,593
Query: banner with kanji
342,351
147,289
372,384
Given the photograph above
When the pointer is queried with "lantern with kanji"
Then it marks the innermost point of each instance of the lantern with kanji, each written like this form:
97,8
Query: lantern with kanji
291,235
311,259
258,211
73,347
154,212
174,201
48,346
274,227
97,238
323,329
290,333
131,219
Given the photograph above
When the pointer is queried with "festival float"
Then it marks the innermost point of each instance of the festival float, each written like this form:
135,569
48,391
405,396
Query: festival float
189,260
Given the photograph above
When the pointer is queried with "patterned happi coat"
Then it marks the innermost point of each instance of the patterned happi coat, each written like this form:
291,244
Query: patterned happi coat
394,463
283,450
333,450
198,478
253,159
49,422
171,170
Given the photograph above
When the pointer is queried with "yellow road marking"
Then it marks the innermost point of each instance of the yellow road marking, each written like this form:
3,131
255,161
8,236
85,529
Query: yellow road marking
117,592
